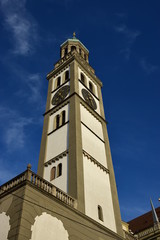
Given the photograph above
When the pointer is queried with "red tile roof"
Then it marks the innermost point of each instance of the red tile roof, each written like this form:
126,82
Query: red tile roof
143,222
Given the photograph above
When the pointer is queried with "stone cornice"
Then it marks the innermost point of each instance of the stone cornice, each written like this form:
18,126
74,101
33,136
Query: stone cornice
95,161
74,55
67,100
53,160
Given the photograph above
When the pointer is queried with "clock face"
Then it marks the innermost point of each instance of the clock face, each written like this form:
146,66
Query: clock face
60,95
89,99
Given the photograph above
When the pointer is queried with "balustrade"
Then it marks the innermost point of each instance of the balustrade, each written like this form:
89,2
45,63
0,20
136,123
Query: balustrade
39,182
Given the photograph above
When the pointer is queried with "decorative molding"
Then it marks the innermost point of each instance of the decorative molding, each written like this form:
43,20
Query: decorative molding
52,160
62,60
85,63
62,70
149,231
95,161
58,107
81,59
67,60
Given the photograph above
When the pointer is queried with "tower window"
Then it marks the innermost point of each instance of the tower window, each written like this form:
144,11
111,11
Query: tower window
80,51
57,121
59,170
100,213
63,117
91,87
85,56
57,82
66,50
66,75
53,173
82,78
73,48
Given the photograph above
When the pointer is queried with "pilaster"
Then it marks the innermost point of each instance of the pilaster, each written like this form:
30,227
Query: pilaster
75,168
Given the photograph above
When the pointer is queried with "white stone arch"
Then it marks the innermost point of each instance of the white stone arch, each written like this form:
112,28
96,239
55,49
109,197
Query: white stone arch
48,227
4,226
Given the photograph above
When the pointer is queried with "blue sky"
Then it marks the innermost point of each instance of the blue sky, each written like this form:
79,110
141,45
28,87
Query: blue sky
123,39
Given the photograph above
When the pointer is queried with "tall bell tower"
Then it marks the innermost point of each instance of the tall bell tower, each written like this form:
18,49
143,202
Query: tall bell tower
75,153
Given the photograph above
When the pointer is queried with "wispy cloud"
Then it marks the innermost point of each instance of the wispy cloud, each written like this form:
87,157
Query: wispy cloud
34,83
20,24
34,92
14,128
130,37
121,14
148,67
30,86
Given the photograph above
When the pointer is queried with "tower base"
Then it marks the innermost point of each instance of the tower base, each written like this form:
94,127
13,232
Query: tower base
33,209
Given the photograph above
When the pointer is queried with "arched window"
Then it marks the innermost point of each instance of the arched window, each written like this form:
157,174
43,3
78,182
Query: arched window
59,170
53,173
66,75
57,121
82,78
100,213
73,48
80,51
65,50
85,56
63,117
57,82
91,87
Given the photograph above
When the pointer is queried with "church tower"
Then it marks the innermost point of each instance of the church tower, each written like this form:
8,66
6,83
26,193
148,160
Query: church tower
75,153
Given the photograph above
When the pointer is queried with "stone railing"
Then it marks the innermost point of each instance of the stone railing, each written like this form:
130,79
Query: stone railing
41,183
148,231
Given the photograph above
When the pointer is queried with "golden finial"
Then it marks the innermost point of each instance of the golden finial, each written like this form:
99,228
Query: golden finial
74,35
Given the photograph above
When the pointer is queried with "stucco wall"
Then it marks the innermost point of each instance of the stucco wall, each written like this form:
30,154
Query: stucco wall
98,192
90,121
93,145
57,142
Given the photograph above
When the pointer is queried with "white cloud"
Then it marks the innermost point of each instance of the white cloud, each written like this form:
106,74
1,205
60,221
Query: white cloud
148,67
130,37
32,90
34,84
14,135
14,128
20,24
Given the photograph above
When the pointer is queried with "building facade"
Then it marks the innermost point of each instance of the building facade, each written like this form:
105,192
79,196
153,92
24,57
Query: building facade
146,226
73,195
